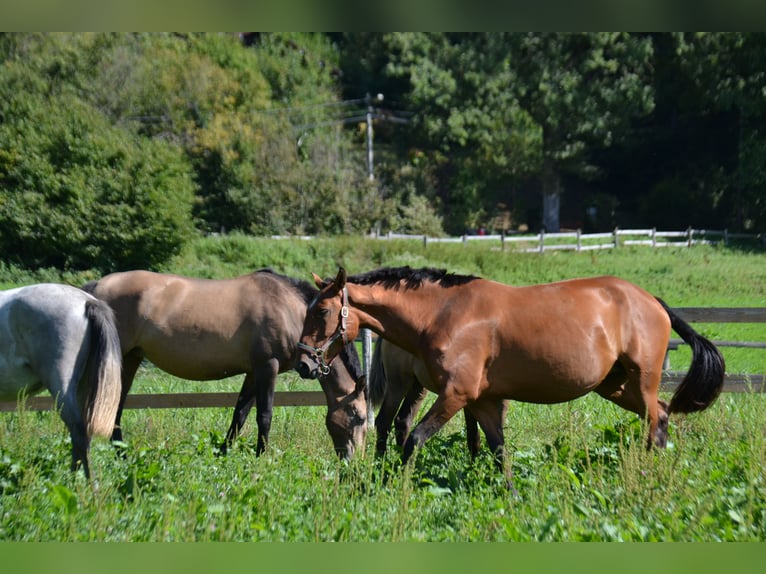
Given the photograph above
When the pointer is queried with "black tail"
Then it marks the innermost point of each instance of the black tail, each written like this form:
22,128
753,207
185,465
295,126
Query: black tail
704,381
377,379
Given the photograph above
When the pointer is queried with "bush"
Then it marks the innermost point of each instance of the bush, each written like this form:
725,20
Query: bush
79,193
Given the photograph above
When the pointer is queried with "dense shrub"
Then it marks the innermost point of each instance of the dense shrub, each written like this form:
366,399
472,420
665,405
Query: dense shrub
80,193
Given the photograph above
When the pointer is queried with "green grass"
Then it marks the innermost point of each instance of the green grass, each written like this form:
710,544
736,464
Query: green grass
579,470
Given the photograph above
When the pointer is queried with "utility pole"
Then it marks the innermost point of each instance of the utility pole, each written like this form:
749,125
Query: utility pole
370,113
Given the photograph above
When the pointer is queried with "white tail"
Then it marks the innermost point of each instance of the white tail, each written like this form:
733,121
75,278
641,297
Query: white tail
103,371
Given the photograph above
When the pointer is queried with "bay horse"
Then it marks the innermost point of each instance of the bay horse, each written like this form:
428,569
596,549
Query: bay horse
58,338
394,384
482,341
210,329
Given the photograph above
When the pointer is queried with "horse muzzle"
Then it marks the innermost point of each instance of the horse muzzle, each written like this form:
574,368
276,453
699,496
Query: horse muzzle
312,364
307,368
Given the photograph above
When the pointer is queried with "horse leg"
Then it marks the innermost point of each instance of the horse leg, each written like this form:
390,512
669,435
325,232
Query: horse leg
489,413
443,409
473,439
472,427
264,401
80,441
407,412
130,363
636,390
392,399
245,401
258,389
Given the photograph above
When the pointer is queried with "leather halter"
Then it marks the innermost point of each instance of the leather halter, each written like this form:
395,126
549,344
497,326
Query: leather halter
318,353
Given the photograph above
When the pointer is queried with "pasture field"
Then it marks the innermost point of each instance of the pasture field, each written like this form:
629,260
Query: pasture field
579,470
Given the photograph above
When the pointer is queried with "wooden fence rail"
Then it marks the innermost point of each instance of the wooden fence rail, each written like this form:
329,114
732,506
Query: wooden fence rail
753,383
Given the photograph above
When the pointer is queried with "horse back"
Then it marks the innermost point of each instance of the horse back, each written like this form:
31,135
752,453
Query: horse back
202,328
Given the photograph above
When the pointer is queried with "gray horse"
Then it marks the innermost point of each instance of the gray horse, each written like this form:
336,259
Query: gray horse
60,338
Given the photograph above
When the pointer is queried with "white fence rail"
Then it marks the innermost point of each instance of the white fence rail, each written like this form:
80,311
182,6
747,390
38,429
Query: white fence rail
578,241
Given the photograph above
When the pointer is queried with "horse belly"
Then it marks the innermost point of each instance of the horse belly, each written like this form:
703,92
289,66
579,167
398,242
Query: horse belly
197,366
200,359
16,375
548,383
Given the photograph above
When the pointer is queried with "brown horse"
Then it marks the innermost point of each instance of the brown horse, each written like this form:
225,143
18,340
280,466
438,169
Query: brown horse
205,329
395,385
482,342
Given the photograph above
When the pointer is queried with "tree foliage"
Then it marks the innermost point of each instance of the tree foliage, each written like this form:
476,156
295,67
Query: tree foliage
78,192
115,149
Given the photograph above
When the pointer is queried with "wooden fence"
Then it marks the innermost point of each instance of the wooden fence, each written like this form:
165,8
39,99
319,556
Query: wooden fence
755,382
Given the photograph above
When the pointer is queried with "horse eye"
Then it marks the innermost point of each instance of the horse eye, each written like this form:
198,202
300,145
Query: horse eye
353,414
323,312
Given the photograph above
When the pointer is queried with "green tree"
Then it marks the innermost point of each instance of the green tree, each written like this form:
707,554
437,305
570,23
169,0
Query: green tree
697,159
583,90
76,193
469,121
725,71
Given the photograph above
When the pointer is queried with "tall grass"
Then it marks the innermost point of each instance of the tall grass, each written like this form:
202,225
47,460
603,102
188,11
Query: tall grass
579,470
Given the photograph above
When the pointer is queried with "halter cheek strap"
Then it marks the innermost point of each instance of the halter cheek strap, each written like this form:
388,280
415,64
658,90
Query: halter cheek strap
318,353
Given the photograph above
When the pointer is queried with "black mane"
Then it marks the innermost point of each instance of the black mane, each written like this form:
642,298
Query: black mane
306,289
391,277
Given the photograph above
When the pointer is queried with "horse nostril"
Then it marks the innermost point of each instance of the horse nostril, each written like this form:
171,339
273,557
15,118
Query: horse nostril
305,371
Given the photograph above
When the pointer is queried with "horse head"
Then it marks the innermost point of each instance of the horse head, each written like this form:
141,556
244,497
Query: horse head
325,328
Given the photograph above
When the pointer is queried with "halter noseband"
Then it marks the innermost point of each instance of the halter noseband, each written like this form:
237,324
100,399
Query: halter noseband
318,353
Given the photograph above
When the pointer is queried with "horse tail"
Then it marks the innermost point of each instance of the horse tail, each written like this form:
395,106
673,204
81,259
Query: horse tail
102,376
377,378
704,380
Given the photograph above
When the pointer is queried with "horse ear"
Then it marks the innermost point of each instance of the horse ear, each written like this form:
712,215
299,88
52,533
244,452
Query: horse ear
340,279
320,283
361,384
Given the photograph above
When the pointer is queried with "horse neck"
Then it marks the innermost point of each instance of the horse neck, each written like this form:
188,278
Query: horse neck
399,316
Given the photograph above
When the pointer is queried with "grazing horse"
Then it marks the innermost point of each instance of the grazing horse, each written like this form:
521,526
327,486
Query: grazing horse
207,329
395,384
482,342
58,338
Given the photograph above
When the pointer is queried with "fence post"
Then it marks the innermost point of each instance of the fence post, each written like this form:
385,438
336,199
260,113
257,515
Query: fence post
502,240
654,237
579,244
542,241
367,365
726,237
425,240
616,237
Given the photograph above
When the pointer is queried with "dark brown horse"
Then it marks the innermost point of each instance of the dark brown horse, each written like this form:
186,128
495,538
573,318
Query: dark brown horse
395,385
205,329
482,342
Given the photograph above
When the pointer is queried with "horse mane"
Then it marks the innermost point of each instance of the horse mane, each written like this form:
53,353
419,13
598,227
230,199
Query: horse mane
392,277
349,354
